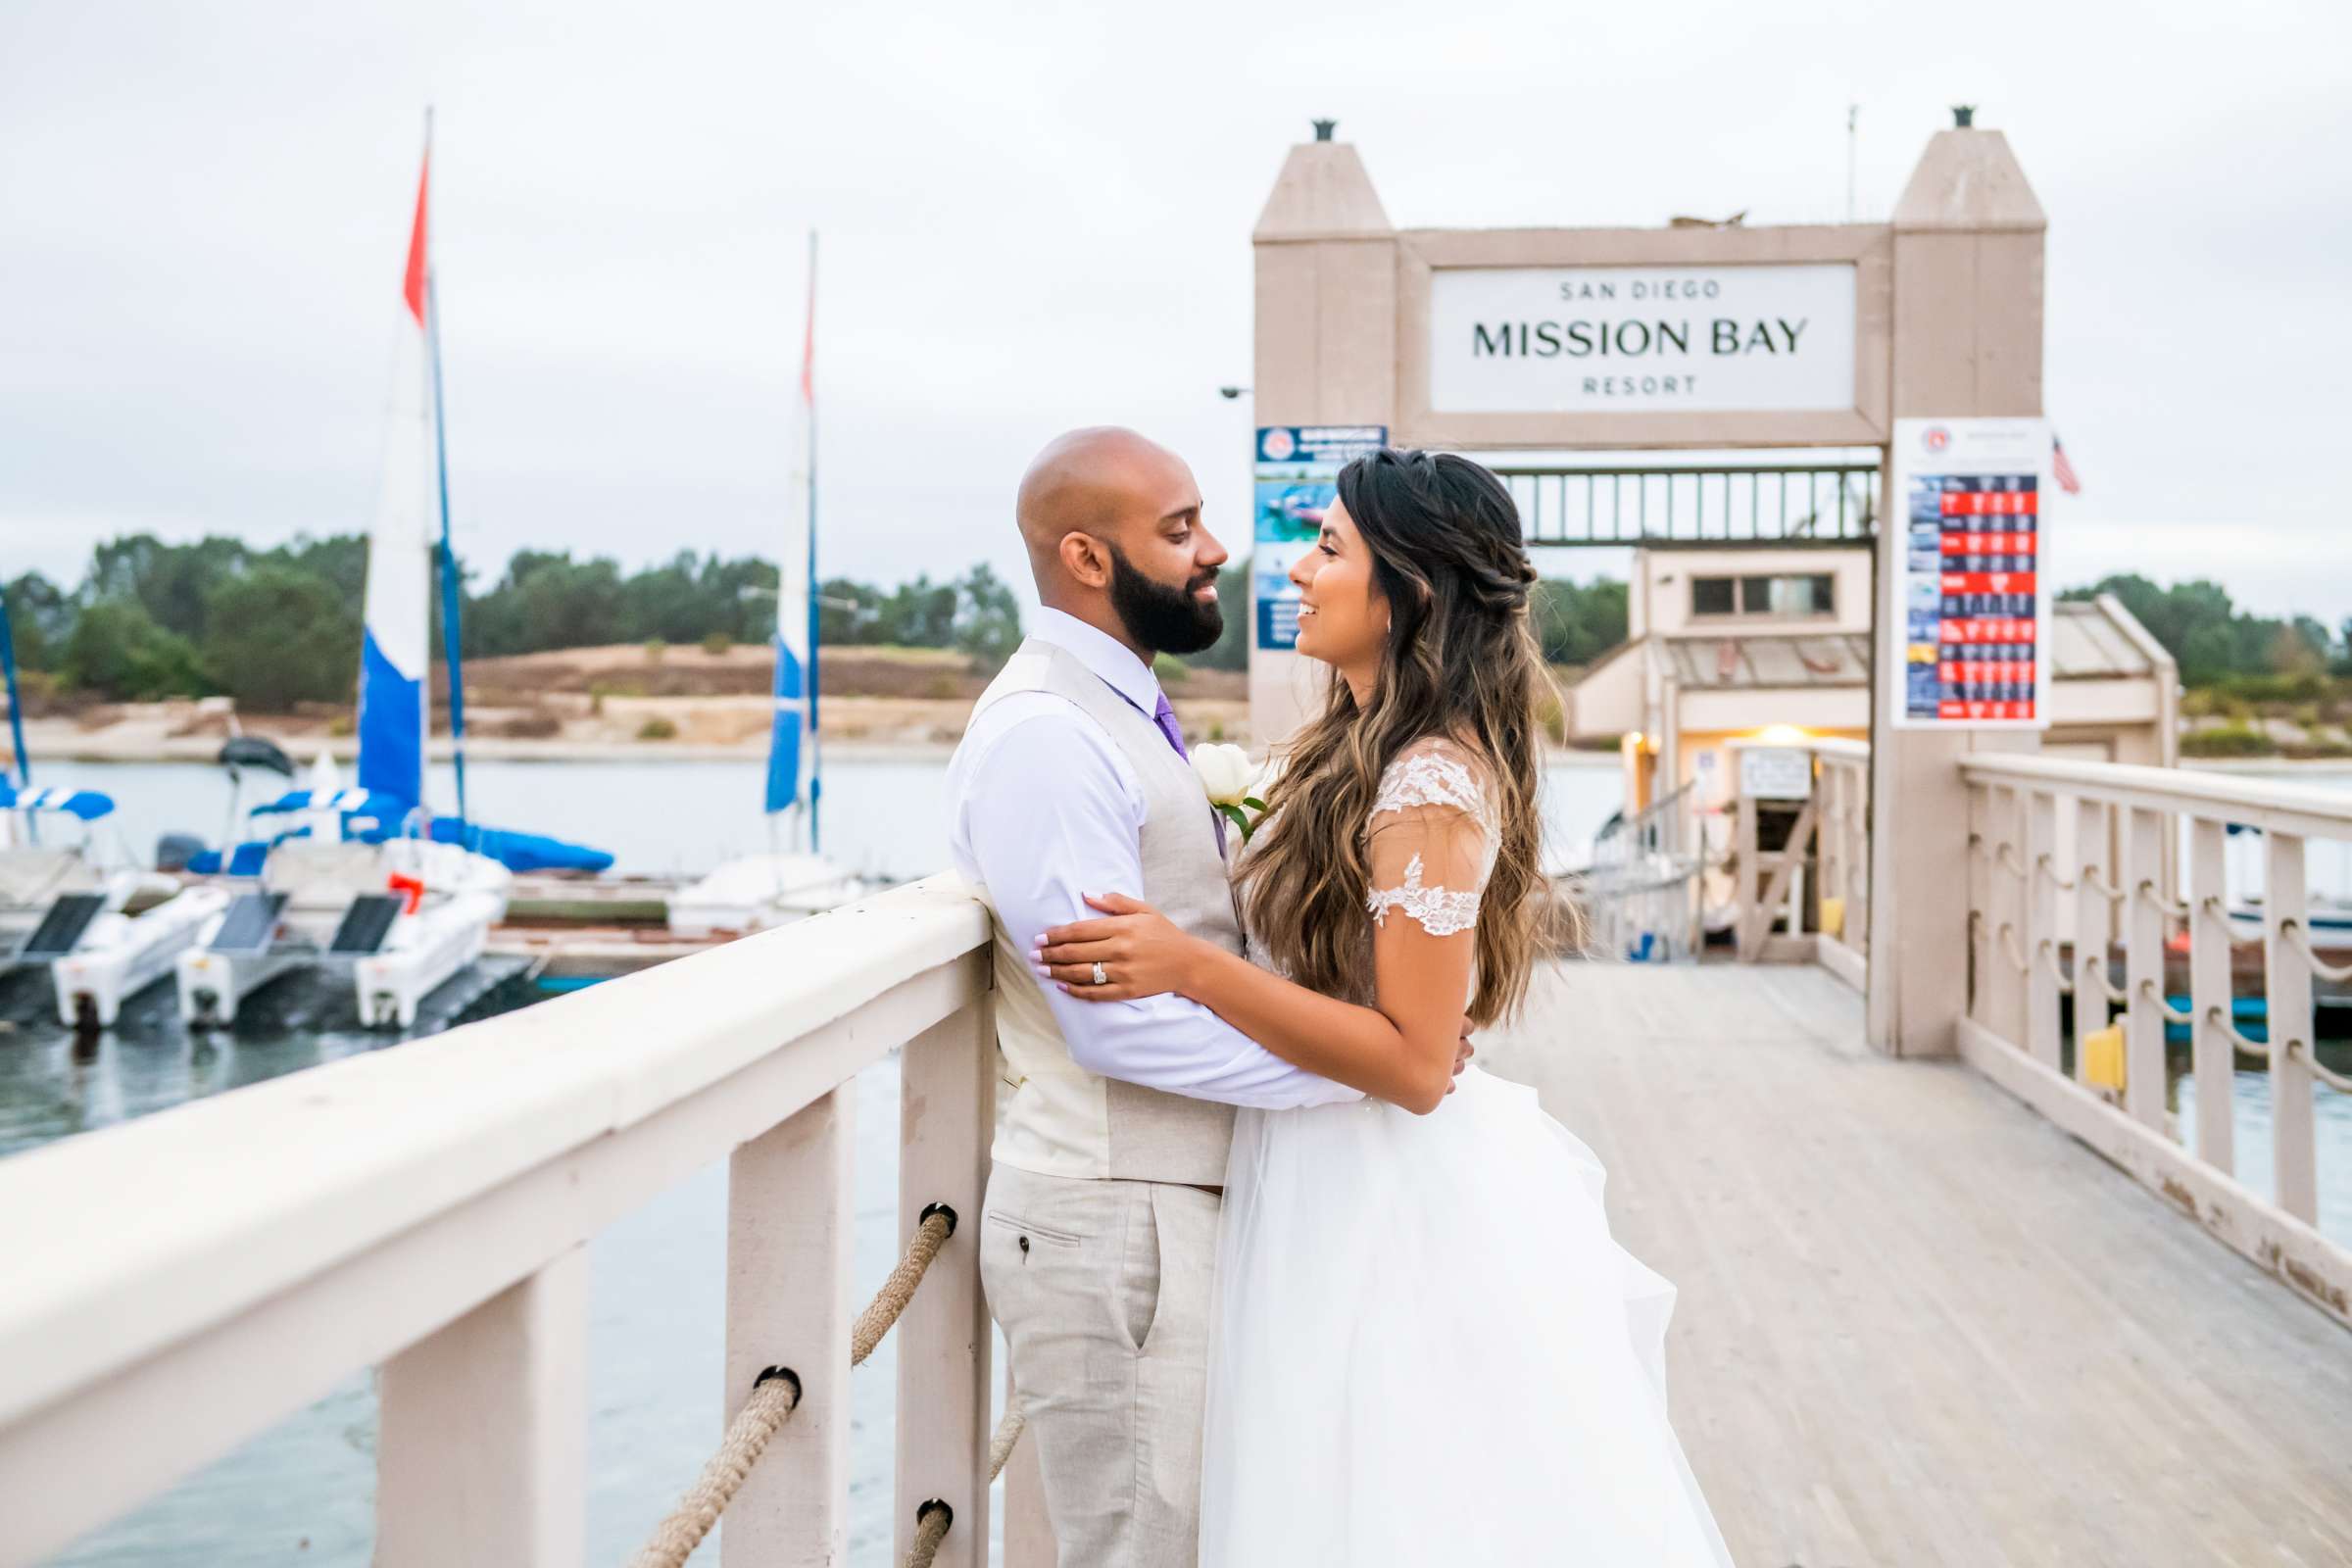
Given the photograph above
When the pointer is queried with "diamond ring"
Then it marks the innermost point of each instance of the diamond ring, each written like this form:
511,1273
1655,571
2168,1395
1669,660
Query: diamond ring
1101,978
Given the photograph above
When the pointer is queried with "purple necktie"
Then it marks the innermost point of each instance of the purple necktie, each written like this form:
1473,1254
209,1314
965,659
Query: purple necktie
1164,715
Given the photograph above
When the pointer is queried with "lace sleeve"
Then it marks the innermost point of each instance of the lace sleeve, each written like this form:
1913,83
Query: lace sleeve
1430,840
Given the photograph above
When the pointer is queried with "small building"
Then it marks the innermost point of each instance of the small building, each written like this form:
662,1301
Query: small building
1724,644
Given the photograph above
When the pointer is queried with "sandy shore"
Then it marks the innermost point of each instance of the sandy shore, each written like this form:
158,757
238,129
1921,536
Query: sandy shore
877,729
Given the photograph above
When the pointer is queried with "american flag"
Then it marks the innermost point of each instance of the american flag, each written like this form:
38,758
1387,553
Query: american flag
2061,469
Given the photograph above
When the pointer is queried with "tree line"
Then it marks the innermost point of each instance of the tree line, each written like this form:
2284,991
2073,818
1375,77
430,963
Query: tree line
2216,643
278,627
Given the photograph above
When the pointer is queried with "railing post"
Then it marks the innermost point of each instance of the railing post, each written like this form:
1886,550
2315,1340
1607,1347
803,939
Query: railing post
790,1220
946,1116
1750,921
1857,855
482,1434
2090,929
2211,1057
1829,788
2291,1030
1978,868
2142,881
2041,902
2005,916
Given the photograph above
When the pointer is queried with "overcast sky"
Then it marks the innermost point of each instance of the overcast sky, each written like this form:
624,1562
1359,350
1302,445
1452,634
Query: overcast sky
1038,216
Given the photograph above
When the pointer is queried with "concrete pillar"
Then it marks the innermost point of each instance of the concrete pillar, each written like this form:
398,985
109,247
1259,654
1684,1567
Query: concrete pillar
1965,342
1326,351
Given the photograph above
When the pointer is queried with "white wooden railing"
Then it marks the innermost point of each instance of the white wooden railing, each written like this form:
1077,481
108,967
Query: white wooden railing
2068,858
177,1284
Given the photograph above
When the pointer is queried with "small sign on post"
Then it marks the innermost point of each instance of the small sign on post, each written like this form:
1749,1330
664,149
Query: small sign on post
1297,464
1775,772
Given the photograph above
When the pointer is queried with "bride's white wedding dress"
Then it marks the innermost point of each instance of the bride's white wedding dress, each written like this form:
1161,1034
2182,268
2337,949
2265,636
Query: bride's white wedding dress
1429,1351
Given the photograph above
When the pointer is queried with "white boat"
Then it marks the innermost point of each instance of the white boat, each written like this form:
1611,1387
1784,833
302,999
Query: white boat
793,879
123,954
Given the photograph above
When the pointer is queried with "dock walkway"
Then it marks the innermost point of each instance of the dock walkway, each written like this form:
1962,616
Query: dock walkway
1918,1323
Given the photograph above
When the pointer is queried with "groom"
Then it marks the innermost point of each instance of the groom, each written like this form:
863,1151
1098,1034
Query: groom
1098,1241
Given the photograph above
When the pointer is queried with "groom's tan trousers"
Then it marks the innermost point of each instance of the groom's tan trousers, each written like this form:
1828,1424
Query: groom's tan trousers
1103,1289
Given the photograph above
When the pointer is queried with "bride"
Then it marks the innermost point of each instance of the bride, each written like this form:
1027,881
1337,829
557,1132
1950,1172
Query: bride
1429,1348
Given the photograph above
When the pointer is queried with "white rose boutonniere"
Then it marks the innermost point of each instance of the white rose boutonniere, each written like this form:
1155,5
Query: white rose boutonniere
1226,774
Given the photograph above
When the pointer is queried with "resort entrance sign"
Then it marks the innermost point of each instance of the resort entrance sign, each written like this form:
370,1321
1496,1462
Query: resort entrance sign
1641,339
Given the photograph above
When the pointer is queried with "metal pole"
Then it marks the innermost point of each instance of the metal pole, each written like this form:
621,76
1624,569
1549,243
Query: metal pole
15,699
452,595
808,372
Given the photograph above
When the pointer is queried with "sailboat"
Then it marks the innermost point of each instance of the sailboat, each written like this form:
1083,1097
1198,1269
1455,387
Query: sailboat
102,931
793,878
367,878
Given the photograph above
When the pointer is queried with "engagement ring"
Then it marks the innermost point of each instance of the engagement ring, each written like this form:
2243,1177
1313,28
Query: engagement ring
1101,978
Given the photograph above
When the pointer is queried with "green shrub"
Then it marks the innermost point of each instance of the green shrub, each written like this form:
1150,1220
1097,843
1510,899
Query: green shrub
718,644
1171,671
656,728
2228,740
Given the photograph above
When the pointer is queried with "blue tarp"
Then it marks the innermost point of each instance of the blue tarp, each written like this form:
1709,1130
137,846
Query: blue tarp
520,852
389,809
88,805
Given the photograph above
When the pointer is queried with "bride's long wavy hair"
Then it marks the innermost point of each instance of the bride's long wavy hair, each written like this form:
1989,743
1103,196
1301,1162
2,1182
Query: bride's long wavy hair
1460,661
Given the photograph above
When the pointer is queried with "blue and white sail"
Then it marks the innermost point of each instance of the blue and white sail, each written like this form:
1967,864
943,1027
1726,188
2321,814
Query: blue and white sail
396,646
792,736
793,878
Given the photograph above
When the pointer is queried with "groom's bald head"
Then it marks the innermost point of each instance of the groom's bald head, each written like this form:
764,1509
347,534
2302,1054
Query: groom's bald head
1105,500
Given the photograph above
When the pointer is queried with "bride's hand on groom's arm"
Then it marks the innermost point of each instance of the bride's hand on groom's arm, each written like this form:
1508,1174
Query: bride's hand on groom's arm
1141,952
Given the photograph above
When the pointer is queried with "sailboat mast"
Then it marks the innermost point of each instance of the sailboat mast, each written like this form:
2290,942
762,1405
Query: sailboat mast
451,637
16,701
809,391
452,589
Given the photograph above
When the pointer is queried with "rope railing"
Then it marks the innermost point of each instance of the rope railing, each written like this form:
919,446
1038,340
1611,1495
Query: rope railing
2301,1049
2091,968
2015,953
935,1518
2295,935
2164,1008
2046,866
2105,889
2005,856
2217,915
2216,1018
776,1394
2171,909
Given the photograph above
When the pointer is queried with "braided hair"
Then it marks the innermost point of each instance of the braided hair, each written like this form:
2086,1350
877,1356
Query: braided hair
1460,661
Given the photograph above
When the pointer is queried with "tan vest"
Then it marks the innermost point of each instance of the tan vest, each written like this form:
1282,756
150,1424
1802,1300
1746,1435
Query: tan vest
1061,1120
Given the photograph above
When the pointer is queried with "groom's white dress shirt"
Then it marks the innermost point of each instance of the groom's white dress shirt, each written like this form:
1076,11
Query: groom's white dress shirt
1044,822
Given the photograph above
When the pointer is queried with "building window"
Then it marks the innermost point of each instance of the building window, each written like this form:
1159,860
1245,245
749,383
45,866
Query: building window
1795,595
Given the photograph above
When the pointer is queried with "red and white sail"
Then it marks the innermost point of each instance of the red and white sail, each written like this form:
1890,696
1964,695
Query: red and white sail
397,641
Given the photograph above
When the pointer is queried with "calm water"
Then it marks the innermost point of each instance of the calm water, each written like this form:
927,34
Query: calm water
304,1491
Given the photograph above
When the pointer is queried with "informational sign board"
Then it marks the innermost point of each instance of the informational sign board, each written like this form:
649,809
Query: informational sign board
1775,772
1641,339
1296,467
1970,619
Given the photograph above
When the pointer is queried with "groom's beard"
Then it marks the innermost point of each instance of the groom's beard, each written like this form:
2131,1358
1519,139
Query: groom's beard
1164,619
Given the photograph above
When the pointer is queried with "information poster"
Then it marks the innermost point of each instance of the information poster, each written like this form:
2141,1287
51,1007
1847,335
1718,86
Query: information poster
1296,467
1971,615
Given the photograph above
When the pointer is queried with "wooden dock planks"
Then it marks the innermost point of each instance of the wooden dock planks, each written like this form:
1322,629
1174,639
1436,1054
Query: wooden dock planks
1917,1324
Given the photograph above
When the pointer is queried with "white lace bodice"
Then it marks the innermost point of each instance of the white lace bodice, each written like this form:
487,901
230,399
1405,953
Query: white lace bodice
1431,810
